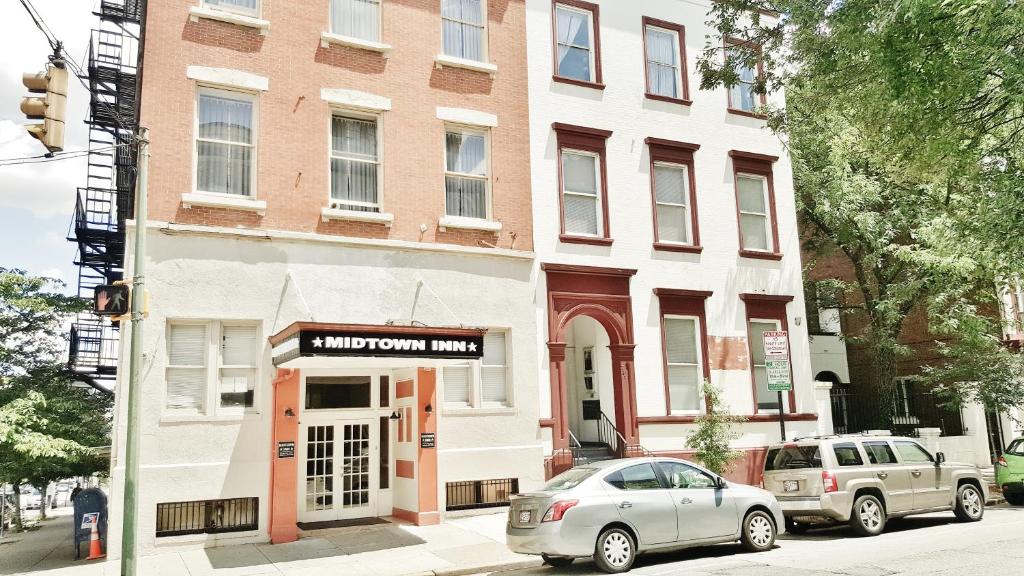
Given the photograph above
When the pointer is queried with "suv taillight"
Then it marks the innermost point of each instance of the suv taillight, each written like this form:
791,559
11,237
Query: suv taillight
558,509
828,479
1002,462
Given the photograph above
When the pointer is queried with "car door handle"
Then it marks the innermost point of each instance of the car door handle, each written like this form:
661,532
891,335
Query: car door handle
686,501
915,473
882,475
625,504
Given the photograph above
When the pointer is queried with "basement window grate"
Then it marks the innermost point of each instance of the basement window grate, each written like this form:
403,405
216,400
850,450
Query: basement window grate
207,516
480,493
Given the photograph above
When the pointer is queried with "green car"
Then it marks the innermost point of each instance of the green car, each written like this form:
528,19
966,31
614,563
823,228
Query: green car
1010,472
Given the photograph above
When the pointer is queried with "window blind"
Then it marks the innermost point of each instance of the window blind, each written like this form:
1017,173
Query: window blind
753,213
494,369
671,190
457,380
580,193
186,370
682,354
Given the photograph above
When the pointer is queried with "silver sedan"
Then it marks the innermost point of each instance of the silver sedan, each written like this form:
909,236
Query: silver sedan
615,509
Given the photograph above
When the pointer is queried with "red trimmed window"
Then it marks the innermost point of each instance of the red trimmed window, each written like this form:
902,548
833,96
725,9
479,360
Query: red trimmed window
743,99
684,338
674,196
755,205
765,313
576,43
665,61
582,184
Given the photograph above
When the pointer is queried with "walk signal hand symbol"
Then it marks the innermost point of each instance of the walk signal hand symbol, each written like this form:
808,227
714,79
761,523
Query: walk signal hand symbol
111,300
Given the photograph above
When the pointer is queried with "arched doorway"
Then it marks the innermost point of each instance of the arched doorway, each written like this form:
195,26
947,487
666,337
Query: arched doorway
590,394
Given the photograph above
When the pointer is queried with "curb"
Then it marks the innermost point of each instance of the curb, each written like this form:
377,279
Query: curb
498,567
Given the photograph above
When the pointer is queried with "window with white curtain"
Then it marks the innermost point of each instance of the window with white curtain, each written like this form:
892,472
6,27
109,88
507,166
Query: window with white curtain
225,142
186,368
355,164
463,29
741,94
766,401
581,193
238,349
224,353
672,199
664,76
755,225
244,7
466,179
482,383
684,363
574,43
356,19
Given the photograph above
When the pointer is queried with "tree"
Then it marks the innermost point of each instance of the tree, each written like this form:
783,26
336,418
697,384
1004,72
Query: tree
31,312
905,124
713,436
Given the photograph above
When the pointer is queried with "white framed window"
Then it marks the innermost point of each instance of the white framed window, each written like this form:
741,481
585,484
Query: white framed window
225,136
672,199
212,367
581,193
766,401
574,43
664,70
356,19
754,212
466,173
481,383
243,7
684,363
464,29
355,162
742,95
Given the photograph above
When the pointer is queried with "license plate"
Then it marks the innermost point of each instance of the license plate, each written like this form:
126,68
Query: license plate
525,516
790,486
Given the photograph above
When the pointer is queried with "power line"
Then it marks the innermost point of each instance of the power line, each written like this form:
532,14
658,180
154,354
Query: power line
70,154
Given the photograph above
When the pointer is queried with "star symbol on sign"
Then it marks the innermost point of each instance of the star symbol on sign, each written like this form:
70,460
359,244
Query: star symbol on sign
318,342
472,346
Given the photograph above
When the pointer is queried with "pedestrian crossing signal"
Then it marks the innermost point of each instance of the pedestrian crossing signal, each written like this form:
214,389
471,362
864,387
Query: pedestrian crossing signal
112,300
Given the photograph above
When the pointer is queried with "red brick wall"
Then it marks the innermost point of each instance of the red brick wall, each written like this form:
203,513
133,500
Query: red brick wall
294,123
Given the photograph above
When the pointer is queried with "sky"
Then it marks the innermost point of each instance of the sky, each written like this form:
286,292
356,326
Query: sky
37,200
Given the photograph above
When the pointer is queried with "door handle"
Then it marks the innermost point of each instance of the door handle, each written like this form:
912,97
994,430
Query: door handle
882,475
686,501
625,504
915,473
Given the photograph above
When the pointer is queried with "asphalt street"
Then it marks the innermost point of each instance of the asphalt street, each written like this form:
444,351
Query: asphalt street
932,545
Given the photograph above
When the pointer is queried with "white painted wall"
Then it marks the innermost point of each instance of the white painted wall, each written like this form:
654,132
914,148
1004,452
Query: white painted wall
622,108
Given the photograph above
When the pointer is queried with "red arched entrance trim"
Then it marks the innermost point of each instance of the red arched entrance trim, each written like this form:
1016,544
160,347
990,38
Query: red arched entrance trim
602,294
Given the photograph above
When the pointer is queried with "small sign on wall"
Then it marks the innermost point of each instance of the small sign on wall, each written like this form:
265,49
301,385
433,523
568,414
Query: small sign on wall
427,440
286,449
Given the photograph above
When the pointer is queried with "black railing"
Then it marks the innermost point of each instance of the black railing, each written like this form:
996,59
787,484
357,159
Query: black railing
852,413
480,493
207,516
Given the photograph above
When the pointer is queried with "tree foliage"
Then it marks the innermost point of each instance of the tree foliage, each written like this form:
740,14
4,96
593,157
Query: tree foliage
32,309
712,438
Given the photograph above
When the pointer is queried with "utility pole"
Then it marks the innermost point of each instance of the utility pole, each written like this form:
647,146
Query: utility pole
131,464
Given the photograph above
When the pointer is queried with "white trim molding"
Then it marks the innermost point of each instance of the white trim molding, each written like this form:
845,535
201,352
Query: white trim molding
466,116
228,78
197,12
189,200
385,218
444,60
328,38
355,99
465,223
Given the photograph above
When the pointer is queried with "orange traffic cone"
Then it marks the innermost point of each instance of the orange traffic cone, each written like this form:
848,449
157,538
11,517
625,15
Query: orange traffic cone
95,551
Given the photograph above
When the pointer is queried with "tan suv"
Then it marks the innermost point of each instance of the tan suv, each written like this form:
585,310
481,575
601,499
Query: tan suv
865,480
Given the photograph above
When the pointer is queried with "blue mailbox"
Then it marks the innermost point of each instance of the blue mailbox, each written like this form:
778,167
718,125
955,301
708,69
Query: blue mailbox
89,501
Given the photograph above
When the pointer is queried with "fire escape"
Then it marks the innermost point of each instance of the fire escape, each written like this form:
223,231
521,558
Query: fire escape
107,200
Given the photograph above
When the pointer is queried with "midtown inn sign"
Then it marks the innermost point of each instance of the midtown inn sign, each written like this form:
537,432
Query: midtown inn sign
304,339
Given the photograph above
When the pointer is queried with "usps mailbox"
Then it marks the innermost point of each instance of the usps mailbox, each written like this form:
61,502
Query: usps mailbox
89,501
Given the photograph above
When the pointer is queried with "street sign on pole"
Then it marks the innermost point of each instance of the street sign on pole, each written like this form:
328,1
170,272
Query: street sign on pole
779,375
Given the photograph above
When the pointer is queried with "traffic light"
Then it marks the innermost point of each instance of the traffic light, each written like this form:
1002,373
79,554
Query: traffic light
50,108
112,300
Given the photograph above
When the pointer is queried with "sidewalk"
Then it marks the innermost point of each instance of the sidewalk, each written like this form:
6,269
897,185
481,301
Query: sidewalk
459,546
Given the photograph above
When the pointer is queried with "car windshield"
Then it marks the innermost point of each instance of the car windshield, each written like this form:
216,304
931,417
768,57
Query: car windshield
569,479
792,457
1016,448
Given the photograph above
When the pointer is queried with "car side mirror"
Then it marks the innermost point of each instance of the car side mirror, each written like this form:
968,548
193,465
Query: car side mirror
720,483
939,458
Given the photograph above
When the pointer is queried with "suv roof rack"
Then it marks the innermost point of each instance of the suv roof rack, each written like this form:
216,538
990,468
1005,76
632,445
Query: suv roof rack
866,434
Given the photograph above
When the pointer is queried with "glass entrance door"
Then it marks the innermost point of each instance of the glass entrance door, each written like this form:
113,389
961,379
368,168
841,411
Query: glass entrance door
340,471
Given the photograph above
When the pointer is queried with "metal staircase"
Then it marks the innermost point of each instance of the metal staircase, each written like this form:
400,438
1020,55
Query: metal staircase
106,201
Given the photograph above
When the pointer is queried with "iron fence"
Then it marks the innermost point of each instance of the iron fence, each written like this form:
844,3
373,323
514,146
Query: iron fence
480,493
859,412
207,516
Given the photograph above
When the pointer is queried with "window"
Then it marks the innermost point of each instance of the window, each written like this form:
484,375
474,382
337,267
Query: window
225,142
681,476
576,52
904,399
355,165
879,453
463,29
356,19
226,353
912,453
639,477
338,392
244,7
683,362
793,458
665,60
672,199
472,494
207,516
569,479
755,233
765,400
384,458
466,180
582,188
483,383
742,96
847,454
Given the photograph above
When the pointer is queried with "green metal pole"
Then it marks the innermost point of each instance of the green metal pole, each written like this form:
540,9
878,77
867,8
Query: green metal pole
131,462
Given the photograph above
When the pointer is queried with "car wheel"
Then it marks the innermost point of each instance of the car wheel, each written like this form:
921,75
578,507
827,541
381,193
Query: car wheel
615,551
1014,499
794,527
868,518
970,505
758,532
556,561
